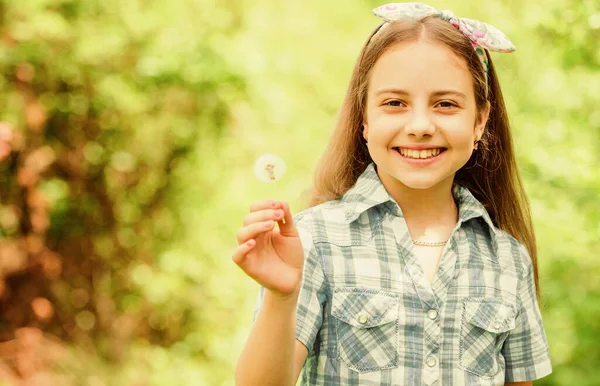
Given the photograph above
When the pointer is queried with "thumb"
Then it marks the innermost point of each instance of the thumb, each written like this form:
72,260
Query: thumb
286,225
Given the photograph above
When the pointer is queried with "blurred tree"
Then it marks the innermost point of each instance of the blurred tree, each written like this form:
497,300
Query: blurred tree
127,134
101,103
565,181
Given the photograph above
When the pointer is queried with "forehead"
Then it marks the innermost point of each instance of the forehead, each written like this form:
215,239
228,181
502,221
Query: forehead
421,67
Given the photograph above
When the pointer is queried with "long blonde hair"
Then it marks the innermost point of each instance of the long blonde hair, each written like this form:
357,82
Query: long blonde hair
490,174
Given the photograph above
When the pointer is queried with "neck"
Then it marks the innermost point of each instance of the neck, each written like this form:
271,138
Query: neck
423,207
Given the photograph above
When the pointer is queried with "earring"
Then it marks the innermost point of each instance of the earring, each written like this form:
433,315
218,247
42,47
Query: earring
476,145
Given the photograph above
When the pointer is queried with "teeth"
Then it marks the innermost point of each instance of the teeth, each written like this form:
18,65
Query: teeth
419,153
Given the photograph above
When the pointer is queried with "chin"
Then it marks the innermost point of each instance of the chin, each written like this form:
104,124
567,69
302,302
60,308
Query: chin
418,183
415,180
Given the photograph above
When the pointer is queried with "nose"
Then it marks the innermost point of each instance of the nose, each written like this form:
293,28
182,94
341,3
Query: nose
419,123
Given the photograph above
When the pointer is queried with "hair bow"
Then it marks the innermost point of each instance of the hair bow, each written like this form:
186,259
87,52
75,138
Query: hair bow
481,34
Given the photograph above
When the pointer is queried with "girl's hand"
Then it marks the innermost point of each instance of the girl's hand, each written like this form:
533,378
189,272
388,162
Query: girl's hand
272,257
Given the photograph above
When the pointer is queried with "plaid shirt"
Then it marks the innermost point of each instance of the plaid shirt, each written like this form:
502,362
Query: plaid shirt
368,315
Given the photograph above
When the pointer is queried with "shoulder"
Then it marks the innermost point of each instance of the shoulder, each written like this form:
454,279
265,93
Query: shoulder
332,222
319,220
513,252
327,211
314,224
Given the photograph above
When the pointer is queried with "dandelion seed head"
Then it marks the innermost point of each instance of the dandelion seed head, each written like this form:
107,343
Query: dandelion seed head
269,168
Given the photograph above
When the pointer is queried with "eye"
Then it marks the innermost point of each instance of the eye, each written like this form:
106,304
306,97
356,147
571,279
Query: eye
447,104
394,103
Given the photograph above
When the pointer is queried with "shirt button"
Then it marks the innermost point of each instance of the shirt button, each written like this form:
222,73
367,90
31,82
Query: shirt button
496,325
432,314
362,319
431,361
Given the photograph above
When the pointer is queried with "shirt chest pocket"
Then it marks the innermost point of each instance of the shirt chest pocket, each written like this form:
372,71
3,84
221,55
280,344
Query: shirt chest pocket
366,326
485,325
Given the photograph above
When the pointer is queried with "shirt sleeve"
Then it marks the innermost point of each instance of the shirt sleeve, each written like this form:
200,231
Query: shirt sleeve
525,350
309,311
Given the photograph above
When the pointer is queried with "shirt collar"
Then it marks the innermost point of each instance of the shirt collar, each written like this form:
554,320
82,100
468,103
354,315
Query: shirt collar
369,192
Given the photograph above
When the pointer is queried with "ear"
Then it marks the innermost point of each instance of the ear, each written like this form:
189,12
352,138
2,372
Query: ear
365,131
482,119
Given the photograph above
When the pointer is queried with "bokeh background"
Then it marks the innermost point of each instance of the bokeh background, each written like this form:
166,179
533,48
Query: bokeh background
128,133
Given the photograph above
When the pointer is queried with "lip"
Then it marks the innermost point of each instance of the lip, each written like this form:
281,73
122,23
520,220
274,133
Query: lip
420,147
419,161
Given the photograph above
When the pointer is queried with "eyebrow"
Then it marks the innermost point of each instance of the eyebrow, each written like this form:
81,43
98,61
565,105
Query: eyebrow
438,93
449,92
391,91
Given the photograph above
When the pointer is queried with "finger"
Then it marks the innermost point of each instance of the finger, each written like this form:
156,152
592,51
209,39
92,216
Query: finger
264,204
239,255
263,215
287,227
253,230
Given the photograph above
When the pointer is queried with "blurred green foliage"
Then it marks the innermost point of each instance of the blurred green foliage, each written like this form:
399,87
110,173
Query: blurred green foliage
136,125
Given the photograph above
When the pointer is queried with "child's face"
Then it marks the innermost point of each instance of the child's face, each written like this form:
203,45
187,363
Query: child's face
421,96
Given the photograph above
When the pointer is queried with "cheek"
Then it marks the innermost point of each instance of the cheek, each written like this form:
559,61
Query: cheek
462,140
382,126
460,134
382,133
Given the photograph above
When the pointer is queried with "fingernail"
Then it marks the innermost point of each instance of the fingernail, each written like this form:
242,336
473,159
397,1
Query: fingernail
275,203
278,213
268,224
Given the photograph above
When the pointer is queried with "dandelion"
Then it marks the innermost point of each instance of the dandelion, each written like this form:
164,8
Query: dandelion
269,168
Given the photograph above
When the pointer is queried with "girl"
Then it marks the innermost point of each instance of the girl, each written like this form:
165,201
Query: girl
416,262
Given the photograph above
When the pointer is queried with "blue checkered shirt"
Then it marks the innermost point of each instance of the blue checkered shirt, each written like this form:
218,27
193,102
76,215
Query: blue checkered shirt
369,316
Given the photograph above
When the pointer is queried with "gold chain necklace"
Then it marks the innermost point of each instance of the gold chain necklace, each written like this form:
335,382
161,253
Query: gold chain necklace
430,243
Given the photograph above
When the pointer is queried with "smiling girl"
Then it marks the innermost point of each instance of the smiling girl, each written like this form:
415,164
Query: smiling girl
416,262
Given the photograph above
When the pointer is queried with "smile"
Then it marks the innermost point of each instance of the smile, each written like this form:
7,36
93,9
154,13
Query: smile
420,154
